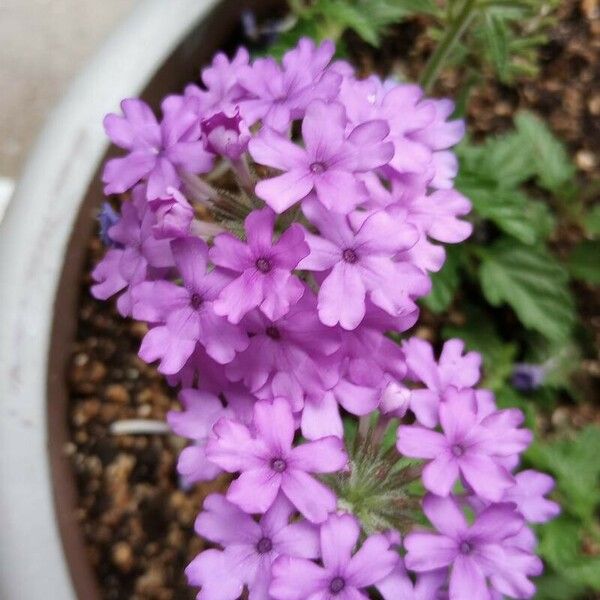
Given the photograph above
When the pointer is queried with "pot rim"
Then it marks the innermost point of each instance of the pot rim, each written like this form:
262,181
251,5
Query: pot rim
34,237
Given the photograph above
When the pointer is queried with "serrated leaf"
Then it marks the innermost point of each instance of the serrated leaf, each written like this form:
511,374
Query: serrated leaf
531,281
444,283
506,160
512,211
560,541
575,464
347,15
560,545
553,165
584,262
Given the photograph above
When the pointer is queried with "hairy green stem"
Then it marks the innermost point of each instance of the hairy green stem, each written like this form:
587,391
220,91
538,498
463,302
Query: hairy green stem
450,39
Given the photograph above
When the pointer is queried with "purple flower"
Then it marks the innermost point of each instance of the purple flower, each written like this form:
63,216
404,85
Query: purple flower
452,370
201,411
226,134
249,548
359,261
265,279
268,463
137,257
419,127
221,80
439,135
289,356
328,163
466,447
435,215
399,586
528,494
279,94
156,151
474,553
107,217
343,575
174,215
185,314
401,107
527,377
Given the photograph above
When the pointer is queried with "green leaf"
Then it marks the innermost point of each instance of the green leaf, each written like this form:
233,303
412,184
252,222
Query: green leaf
368,18
592,221
496,38
560,541
560,545
347,15
479,334
531,281
512,211
575,464
584,262
553,165
444,283
555,586
506,160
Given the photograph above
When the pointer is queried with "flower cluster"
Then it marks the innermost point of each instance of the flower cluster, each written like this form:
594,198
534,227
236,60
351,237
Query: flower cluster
279,222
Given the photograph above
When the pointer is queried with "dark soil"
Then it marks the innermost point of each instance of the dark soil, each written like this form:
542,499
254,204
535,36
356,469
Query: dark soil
136,517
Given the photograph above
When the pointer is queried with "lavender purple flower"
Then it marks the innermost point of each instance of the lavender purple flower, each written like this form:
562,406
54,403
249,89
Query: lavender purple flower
270,285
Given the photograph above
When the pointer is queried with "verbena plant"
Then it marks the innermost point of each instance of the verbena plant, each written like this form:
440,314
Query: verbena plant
279,224
524,191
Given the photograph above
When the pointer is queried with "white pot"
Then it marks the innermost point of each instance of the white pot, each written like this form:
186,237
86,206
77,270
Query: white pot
33,241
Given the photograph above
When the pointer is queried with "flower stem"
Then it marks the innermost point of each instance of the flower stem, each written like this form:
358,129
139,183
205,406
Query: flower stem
450,39
242,172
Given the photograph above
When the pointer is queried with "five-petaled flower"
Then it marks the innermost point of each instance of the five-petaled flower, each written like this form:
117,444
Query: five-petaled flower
269,464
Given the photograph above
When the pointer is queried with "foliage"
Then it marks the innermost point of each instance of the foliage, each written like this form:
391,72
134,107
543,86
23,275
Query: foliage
509,285
563,543
329,19
501,35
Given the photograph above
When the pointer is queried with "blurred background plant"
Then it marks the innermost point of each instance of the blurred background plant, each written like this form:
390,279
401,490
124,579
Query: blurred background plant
524,290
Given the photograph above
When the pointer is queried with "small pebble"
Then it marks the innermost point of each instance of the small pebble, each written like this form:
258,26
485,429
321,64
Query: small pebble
122,556
117,392
585,160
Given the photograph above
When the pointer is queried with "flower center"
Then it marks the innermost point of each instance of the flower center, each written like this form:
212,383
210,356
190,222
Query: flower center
264,545
196,301
457,450
317,168
349,255
336,585
273,332
263,265
465,548
278,465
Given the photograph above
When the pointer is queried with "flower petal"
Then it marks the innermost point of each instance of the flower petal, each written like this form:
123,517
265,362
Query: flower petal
428,551
224,523
440,474
374,561
255,491
321,456
339,535
283,191
310,497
